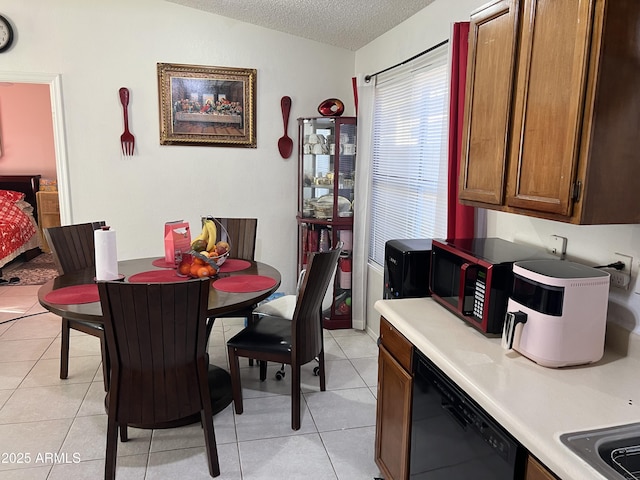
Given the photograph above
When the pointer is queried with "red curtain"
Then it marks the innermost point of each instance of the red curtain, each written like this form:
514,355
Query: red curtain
461,219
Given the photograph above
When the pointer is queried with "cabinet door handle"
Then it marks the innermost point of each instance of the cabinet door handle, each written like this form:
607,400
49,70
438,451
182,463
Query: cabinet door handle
576,190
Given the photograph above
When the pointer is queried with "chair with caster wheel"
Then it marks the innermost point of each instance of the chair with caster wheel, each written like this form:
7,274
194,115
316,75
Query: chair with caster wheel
294,342
283,307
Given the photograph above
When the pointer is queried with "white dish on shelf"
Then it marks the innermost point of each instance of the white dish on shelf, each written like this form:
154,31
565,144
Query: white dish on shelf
344,205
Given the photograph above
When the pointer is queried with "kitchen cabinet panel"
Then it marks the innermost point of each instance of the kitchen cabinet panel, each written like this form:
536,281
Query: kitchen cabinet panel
491,67
393,411
546,124
536,471
572,121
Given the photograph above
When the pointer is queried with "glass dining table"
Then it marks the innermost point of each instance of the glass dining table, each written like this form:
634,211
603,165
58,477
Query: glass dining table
238,285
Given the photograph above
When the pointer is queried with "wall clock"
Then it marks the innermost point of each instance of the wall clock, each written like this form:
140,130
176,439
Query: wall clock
6,34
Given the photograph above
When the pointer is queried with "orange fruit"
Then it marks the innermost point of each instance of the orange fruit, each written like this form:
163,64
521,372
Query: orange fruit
193,270
212,271
203,272
198,261
184,268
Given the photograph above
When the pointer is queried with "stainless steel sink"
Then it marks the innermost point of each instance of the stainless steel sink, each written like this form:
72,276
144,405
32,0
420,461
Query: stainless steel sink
612,451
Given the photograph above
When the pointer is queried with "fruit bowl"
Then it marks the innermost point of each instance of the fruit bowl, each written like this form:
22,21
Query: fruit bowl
214,260
206,256
196,265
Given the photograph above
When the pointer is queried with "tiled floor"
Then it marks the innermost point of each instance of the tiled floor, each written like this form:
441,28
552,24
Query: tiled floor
55,429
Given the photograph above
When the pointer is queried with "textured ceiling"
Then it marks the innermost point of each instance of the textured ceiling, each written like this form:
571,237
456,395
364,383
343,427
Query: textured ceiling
349,24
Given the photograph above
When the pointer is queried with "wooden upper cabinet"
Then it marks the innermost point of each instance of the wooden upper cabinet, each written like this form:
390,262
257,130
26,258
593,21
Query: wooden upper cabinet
490,76
550,91
569,144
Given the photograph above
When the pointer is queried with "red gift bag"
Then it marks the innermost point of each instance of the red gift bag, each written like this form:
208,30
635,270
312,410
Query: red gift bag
177,240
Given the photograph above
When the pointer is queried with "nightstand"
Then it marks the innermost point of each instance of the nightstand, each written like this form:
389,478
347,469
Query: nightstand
48,214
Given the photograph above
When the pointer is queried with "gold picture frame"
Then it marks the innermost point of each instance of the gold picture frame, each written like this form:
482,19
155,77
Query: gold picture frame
210,106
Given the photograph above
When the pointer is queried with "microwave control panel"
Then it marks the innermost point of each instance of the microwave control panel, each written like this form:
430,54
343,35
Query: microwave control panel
480,294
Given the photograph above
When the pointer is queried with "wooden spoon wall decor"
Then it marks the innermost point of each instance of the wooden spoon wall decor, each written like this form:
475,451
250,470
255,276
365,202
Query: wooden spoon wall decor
285,143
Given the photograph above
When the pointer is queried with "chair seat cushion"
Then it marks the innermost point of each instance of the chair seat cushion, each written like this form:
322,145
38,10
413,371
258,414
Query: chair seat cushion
267,334
282,307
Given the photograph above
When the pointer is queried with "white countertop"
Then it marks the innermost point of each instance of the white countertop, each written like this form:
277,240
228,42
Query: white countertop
535,404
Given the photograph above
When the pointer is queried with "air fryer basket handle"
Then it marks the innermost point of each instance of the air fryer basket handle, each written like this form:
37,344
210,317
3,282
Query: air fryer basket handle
511,321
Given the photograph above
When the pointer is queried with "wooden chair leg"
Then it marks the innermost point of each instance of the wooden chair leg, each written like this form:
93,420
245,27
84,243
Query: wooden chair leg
106,364
124,433
295,397
210,322
236,387
64,349
112,449
263,370
210,443
321,371
250,320
207,422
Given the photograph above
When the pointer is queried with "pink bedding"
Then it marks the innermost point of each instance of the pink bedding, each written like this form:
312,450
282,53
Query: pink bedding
18,232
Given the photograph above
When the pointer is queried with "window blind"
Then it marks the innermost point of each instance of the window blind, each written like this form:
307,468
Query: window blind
409,160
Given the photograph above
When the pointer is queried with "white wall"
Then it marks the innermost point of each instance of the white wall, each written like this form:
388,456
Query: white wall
97,47
427,28
588,244
592,245
26,130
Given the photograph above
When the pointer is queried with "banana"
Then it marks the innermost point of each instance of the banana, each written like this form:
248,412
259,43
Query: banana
204,236
213,233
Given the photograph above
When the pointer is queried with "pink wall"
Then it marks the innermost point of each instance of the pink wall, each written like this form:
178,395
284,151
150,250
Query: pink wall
26,130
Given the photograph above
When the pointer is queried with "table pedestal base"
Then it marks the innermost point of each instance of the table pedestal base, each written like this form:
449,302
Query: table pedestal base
219,388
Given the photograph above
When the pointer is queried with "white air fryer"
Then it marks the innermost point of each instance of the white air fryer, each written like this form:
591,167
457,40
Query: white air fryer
557,312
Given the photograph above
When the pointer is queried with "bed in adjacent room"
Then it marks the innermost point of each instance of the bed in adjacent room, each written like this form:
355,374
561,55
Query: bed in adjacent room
18,212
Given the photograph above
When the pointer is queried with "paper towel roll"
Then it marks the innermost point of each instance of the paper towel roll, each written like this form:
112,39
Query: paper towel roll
106,254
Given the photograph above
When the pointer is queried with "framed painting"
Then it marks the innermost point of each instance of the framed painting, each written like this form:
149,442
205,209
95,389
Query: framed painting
210,106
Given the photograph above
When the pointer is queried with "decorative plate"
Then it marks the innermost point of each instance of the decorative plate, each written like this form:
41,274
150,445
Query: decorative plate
331,107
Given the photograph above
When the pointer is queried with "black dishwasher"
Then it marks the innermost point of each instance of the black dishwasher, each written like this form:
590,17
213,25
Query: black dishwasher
452,437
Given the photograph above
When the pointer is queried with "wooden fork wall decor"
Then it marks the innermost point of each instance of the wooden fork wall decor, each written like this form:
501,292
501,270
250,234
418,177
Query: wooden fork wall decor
127,140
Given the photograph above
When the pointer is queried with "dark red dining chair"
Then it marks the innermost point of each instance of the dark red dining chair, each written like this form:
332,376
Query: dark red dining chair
241,235
295,341
156,334
73,249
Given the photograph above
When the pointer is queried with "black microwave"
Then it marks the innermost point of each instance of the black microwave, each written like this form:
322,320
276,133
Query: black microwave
406,268
473,277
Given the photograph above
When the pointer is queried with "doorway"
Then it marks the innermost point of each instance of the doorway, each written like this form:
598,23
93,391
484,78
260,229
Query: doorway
55,91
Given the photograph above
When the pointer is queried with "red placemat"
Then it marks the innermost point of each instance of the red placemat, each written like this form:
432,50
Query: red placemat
74,295
162,263
157,276
244,283
234,265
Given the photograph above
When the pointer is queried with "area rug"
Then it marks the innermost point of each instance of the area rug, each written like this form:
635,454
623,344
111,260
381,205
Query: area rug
37,271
